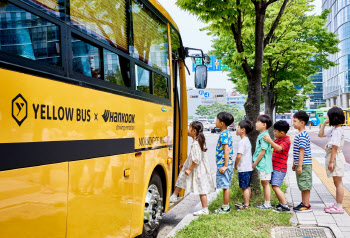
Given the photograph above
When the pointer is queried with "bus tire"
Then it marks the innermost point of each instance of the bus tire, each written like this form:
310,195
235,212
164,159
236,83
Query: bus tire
153,207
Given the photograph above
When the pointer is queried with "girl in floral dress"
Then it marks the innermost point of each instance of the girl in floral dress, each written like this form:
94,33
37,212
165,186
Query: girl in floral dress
195,175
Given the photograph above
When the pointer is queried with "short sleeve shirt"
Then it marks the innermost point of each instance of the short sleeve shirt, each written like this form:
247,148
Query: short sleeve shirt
265,164
245,148
280,158
334,135
225,138
302,140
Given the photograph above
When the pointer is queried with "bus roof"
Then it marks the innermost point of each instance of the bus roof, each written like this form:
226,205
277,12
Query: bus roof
162,10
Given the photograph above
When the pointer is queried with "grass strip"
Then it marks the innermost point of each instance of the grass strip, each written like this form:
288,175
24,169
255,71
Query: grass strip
247,223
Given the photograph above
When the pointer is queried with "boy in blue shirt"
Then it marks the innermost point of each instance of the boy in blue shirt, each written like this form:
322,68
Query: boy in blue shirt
224,159
302,160
262,158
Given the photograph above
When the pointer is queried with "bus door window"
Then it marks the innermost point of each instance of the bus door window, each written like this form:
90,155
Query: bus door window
143,79
86,58
27,35
117,68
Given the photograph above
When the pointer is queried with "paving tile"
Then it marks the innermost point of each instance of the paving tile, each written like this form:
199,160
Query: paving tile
325,219
336,231
345,228
306,217
342,223
308,223
346,234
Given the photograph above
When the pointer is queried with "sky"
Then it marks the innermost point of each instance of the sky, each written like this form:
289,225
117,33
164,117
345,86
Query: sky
192,37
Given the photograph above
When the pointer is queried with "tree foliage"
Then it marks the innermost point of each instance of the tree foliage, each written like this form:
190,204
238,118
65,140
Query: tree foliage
298,48
213,109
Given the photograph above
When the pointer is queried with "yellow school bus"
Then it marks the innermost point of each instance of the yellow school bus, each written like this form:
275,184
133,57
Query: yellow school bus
93,117
347,116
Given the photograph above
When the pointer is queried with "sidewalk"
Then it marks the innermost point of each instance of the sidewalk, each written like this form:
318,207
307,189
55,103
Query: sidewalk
322,194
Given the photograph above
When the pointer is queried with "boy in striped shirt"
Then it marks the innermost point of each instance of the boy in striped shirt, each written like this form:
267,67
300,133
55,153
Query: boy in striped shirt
280,154
302,160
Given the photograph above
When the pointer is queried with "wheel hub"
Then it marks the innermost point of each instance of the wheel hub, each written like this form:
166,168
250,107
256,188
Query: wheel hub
153,208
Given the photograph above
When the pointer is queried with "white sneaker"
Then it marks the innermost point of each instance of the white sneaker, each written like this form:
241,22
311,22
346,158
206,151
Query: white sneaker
173,199
201,212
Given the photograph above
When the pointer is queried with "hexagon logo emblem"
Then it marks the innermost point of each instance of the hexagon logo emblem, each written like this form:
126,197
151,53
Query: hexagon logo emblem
19,109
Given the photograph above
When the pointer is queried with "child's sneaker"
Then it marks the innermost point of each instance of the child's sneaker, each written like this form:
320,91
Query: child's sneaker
329,207
298,207
303,208
281,208
262,206
173,198
222,210
242,207
335,210
201,212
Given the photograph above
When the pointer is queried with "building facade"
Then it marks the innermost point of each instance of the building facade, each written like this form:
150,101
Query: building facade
236,100
196,97
316,98
336,80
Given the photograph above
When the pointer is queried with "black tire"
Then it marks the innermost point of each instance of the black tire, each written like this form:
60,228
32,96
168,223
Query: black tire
156,180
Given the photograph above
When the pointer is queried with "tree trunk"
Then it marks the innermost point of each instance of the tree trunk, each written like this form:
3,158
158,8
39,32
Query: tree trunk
252,106
269,108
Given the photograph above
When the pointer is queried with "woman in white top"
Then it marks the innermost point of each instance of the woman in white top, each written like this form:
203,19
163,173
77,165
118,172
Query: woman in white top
195,175
335,160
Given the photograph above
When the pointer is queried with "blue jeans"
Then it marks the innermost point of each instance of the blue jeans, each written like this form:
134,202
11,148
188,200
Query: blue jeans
224,180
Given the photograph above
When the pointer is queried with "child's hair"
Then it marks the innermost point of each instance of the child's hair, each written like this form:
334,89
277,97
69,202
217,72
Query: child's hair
265,119
281,126
247,125
226,118
301,116
198,126
336,116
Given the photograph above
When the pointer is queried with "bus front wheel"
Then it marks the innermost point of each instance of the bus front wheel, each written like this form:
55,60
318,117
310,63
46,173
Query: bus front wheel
153,207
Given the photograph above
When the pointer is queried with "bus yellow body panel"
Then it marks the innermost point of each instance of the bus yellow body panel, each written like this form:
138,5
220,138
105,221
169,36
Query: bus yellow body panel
347,116
91,195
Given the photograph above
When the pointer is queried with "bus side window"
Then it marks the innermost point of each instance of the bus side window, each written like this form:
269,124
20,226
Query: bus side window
160,85
143,79
86,58
117,68
29,36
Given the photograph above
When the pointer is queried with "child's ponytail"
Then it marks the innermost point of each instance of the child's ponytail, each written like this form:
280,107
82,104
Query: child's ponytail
198,126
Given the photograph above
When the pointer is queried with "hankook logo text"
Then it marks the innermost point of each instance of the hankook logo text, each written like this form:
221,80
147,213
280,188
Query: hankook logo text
109,116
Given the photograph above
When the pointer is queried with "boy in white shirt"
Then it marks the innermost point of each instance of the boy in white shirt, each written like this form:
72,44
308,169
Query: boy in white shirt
244,162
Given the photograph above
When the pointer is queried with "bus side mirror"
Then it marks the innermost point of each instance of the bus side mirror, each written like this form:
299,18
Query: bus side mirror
200,77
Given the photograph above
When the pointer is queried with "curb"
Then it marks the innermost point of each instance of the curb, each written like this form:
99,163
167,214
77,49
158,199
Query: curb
188,218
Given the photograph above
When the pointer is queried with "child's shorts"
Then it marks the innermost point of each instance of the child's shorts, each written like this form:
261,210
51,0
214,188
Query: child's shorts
224,180
244,179
277,178
304,180
264,176
339,165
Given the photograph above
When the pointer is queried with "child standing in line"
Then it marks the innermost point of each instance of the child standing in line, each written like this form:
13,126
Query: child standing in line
195,175
244,162
335,160
224,159
262,158
280,154
302,160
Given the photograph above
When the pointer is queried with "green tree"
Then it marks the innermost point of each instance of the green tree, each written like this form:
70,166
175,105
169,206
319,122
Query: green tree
237,18
213,109
321,105
298,48
202,110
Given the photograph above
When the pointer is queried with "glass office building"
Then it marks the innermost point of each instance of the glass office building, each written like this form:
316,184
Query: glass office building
336,80
316,98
